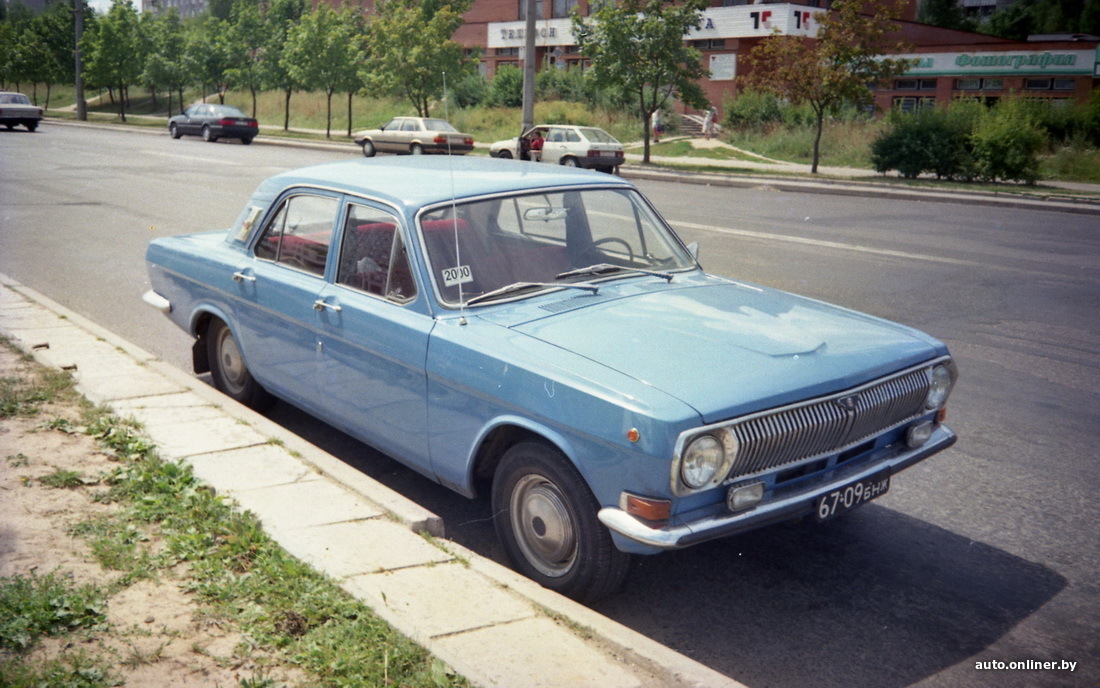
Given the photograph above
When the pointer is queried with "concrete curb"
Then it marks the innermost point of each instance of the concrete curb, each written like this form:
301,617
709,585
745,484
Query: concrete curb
493,626
765,180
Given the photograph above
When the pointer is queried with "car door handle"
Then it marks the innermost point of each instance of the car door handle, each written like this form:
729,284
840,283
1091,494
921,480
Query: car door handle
320,305
240,276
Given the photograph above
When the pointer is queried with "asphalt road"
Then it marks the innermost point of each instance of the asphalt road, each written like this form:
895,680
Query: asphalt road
985,553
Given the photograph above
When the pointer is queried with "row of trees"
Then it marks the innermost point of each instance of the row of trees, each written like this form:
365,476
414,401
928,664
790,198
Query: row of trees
404,48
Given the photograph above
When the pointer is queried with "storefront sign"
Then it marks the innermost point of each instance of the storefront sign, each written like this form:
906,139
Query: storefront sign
1065,62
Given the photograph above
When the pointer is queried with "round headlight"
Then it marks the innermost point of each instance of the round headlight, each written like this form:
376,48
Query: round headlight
940,387
702,459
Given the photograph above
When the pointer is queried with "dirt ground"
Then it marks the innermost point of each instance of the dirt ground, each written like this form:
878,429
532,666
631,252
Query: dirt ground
154,636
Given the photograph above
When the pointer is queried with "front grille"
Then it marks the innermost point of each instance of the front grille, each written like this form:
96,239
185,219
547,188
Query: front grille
824,426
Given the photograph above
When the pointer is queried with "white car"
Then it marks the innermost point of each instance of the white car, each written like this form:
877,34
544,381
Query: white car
414,136
565,144
16,108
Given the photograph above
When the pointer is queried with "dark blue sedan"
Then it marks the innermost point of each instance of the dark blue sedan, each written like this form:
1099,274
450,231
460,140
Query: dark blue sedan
213,122
540,335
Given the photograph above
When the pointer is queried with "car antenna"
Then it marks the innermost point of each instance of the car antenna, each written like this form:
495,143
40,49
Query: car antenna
454,206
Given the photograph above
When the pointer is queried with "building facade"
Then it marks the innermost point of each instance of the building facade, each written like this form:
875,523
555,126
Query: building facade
950,64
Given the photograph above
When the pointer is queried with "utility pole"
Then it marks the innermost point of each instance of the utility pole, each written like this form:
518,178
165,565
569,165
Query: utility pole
529,64
78,18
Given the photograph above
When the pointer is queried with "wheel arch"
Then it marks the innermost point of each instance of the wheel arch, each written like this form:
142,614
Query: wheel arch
502,436
201,319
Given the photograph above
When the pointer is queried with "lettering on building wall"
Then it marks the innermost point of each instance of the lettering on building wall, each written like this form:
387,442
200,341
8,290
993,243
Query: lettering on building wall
518,34
1018,61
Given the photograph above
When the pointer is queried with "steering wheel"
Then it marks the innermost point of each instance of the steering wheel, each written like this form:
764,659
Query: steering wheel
616,240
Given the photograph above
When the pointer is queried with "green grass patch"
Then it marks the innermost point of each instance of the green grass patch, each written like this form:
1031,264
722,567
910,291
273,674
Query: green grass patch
33,607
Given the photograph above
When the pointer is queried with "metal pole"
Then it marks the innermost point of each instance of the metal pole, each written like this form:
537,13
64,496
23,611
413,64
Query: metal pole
78,18
529,64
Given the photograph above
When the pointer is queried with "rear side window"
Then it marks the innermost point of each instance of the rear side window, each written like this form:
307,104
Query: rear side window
300,232
373,256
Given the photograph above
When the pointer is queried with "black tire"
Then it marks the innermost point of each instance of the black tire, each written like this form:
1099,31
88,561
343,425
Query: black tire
545,516
416,149
174,130
368,149
208,135
569,161
505,155
231,376
31,126
246,140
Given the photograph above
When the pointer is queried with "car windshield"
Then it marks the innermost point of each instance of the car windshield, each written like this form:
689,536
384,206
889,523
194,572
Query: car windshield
438,125
597,135
541,240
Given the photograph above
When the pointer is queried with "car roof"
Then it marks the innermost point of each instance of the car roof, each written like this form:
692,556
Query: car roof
416,181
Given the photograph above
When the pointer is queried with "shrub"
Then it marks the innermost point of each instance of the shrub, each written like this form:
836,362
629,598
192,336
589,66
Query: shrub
470,91
924,141
1007,142
506,88
752,110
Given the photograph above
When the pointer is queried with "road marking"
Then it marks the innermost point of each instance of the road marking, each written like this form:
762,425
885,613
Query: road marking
828,244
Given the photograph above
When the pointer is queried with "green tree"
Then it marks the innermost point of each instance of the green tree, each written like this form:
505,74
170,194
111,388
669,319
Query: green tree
323,52
281,17
838,67
166,65
249,31
946,13
412,51
638,46
211,54
113,51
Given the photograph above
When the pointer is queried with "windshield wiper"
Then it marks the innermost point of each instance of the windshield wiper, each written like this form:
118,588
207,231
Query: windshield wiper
601,268
520,286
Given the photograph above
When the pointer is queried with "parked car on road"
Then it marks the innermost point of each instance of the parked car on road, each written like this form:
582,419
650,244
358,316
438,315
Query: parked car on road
573,146
213,122
17,109
542,336
415,136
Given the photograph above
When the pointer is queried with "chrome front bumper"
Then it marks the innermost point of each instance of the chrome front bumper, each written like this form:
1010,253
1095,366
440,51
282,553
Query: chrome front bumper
784,508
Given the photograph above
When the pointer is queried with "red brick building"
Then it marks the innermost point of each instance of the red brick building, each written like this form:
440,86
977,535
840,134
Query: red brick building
952,63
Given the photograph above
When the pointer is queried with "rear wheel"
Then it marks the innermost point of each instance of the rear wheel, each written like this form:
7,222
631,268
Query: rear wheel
569,162
246,140
416,149
228,370
31,126
545,517
208,135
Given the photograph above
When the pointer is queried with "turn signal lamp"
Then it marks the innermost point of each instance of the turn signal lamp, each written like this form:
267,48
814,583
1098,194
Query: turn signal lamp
645,507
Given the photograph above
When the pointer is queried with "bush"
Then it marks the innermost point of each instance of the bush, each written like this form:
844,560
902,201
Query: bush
752,110
1007,143
470,91
506,88
924,141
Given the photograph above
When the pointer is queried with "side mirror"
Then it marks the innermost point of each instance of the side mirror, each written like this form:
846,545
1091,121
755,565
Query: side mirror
693,249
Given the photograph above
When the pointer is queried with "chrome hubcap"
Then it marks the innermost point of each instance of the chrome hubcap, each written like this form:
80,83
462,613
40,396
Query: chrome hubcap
543,526
230,362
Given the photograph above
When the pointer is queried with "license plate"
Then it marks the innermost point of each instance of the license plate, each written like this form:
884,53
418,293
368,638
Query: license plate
844,499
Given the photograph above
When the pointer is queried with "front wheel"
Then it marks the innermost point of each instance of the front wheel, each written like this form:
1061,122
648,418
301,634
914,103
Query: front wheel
174,130
505,155
545,516
231,376
368,149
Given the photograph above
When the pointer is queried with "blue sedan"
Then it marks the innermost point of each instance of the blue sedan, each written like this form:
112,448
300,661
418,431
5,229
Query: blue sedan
541,335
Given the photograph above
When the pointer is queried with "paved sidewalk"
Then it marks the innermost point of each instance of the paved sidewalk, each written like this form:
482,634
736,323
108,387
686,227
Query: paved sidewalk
491,625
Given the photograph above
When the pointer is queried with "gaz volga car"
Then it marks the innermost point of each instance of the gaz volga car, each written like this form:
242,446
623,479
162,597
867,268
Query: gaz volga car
540,335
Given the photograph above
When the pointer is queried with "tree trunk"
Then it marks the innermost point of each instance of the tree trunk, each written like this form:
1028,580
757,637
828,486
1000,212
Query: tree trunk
286,110
817,138
350,94
328,115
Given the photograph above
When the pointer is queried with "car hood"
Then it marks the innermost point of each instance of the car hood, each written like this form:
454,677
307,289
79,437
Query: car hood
727,349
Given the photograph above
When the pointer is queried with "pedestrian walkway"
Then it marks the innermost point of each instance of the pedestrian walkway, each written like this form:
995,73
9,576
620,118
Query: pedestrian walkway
489,624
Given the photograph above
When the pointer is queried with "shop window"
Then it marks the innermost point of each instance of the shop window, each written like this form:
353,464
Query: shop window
914,103
1065,84
914,84
993,84
968,84
1034,84
523,9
